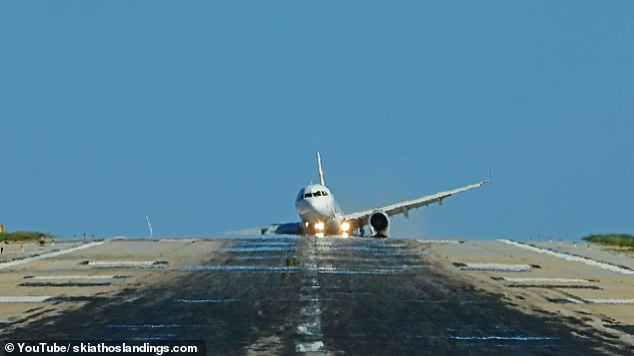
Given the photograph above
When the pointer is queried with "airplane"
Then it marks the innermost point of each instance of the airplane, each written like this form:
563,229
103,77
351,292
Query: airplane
321,215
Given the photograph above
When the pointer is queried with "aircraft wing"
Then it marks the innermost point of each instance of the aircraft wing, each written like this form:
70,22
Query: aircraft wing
282,229
404,207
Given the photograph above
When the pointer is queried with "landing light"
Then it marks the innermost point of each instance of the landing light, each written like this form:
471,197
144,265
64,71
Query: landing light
319,226
345,227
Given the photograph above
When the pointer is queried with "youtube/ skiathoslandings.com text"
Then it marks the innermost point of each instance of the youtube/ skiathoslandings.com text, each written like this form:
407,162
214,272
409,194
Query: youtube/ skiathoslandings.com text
157,348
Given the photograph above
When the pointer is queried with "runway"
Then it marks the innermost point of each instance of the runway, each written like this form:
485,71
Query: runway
288,295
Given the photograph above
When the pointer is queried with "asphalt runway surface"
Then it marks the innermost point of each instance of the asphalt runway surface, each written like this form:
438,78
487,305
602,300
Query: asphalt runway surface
287,295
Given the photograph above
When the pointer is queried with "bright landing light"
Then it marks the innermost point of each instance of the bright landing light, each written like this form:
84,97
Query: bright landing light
345,229
319,229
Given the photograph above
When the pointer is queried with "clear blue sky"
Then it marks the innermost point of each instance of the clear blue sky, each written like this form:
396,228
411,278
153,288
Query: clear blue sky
206,116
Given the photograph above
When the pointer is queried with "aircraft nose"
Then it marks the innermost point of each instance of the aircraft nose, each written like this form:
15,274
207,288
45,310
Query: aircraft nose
309,207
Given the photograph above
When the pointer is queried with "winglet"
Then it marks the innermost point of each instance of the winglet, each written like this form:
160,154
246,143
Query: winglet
320,170
490,173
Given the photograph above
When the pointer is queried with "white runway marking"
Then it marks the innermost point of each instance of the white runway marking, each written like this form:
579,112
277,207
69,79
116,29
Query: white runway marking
157,326
594,301
610,301
545,280
310,311
238,268
205,301
574,300
329,269
567,257
309,331
70,277
513,338
439,241
24,299
256,249
178,240
121,264
50,254
317,346
265,239
495,267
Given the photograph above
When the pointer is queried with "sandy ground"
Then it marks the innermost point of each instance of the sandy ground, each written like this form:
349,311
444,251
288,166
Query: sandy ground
595,301
31,283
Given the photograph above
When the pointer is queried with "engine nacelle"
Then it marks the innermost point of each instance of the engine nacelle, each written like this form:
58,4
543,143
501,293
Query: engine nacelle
380,223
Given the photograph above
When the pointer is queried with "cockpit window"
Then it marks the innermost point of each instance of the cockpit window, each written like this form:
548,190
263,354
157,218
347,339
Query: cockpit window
320,193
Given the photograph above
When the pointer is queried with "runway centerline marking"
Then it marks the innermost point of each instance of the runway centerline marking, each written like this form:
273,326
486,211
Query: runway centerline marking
309,328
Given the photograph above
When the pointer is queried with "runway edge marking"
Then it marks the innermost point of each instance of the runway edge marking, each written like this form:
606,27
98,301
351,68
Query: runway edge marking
571,258
50,254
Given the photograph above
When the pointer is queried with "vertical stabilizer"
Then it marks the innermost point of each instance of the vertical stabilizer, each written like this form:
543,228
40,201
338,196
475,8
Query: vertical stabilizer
320,170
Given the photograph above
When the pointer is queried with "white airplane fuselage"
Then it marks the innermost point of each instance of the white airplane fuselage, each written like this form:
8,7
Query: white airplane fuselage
318,210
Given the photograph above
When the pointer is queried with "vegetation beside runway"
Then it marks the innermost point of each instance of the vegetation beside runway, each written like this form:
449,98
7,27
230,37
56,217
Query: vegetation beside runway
25,236
614,240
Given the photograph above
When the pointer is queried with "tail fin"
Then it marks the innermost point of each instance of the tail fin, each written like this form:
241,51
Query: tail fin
320,170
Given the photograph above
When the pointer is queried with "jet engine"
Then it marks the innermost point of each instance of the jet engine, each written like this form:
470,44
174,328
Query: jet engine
380,223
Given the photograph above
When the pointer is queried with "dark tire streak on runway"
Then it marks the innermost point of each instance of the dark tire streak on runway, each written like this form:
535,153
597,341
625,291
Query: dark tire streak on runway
377,297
